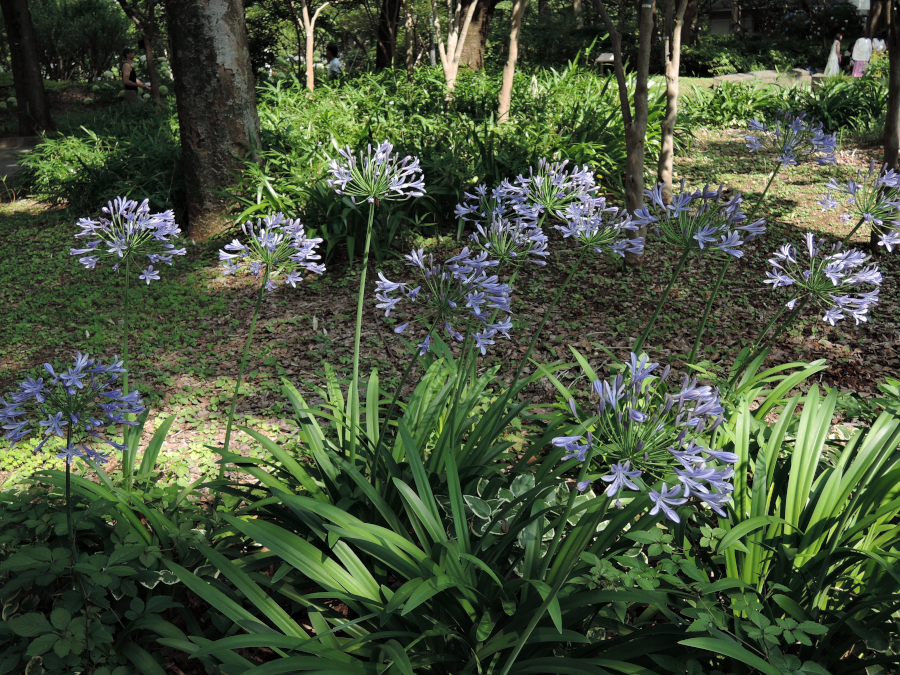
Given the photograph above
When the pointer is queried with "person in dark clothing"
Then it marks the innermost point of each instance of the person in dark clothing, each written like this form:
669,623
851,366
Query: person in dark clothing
129,78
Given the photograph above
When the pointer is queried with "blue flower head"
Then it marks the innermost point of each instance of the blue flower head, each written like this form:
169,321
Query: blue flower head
793,138
126,230
459,295
76,404
378,175
275,245
592,223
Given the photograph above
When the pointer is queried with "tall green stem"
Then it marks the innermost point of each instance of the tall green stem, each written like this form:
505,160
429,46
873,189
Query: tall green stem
643,338
125,338
853,231
715,293
237,388
761,343
708,309
354,386
69,521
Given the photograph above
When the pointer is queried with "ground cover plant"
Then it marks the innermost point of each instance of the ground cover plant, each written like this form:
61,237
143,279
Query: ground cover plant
458,450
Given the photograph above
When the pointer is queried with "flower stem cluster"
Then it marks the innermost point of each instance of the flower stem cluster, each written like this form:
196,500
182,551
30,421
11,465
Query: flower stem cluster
275,246
126,230
504,202
874,198
826,279
376,176
77,404
700,219
457,293
594,224
793,137
552,187
645,432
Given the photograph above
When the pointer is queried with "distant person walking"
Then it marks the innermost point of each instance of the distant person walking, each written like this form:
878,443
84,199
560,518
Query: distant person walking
862,52
834,57
335,69
878,44
129,78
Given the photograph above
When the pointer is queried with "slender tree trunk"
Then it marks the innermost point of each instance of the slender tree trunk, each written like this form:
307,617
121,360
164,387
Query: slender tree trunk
216,99
409,26
874,17
636,123
388,21
578,10
672,59
509,70
451,52
33,108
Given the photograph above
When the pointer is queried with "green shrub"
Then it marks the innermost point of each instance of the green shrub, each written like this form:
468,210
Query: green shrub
725,54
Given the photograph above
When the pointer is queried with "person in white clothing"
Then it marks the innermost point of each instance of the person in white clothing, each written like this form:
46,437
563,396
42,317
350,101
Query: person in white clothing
833,67
862,52
878,44
335,69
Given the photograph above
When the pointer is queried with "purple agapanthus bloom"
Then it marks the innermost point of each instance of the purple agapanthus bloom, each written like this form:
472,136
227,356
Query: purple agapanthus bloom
376,176
699,220
826,279
873,198
76,404
594,224
275,246
793,137
665,501
459,295
126,230
643,425
553,186
504,202
511,241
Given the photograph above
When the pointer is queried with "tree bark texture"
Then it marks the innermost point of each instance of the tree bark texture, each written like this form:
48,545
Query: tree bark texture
672,57
475,44
874,17
635,123
509,70
388,22
409,27
144,20
689,29
216,99
33,108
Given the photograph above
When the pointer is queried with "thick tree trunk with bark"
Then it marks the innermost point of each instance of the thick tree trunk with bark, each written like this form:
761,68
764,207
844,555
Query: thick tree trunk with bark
509,70
216,98
33,108
636,122
388,22
672,62
144,19
475,44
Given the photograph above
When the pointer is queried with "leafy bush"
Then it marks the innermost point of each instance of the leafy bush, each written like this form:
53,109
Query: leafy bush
725,54
125,150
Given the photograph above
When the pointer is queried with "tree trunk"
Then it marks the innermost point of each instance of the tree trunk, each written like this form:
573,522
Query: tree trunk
873,18
892,121
635,124
33,108
578,10
409,26
216,100
475,43
690,23
737,25
451,52
509,70
672,58
388,21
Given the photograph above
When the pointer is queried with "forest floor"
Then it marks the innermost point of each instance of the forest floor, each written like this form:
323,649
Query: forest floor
190,327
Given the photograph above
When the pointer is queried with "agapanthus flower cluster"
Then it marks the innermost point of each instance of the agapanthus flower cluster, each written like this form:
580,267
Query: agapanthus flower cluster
874,198
125,231
511,242
552,186
458,295
276,247
831,278
78,404
699,220
793,138
376,176
504,202
592,223
645,431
